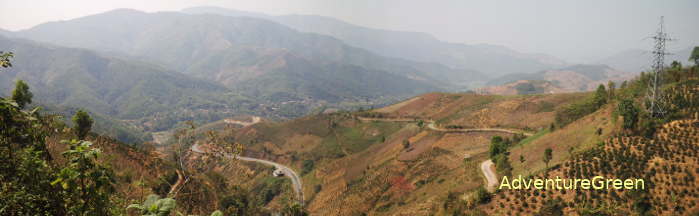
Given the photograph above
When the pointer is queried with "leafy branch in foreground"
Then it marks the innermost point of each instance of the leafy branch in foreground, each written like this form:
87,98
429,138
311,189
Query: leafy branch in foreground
155,206
88,183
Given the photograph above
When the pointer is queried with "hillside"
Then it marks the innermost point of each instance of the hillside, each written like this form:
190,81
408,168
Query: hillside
423,156
489,60
347,159
576,78
49,168
148,97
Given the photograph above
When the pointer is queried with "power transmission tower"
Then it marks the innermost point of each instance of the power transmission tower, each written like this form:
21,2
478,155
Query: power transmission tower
656,105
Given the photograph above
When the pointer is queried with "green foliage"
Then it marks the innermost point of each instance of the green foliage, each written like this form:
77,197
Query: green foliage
502,165
21,94
551,207
237,202
578,110
600,97
82,123
5,59
155,206
497,146
25,173
695,56
307,166
548,155
406,144
481,195
88,184
294,210
268,189
628,109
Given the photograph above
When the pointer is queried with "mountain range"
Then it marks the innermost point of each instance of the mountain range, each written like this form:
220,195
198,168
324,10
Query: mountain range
575,78
149,96
484,58
153,70
637,60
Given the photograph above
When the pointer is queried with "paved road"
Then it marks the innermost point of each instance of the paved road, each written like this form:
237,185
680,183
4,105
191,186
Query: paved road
433,127
489,175
288,172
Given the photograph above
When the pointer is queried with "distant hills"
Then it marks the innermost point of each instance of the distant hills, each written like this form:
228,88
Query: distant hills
575,78
637,60
487,59
153,70
254,57
144,94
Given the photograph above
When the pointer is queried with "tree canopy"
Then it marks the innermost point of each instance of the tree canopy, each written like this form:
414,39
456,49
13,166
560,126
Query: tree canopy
82,123
21,95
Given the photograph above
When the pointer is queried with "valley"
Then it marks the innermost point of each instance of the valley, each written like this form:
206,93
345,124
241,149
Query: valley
361,109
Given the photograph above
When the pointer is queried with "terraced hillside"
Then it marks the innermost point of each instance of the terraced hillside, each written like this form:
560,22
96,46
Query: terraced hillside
422,156
392,160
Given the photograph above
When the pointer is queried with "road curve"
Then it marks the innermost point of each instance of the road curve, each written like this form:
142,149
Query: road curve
490,176
288,172
433,127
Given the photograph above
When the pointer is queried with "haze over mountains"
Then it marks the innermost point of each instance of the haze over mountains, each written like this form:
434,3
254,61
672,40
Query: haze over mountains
637,60
150,96
154,70
487,59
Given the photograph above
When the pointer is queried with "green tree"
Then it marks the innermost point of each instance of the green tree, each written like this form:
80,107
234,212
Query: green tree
294,210
551,207
695,56
82,124
548,155
307,166
628,109
406,144
601,96
611,86
497,146
25,171
21,95
502,165
88,184
5,59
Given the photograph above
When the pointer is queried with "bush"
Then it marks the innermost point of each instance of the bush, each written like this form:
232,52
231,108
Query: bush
575,111
307,166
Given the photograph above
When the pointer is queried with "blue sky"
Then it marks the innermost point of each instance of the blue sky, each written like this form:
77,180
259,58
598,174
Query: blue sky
576,31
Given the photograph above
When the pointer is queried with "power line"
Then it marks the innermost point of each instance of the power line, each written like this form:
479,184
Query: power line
656,105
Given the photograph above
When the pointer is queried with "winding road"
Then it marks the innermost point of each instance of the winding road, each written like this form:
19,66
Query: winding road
288,172
434,127
490,176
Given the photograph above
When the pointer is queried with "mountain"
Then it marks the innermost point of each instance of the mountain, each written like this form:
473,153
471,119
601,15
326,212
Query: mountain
430,154
575,78
145,95
637,60
487,59
255,57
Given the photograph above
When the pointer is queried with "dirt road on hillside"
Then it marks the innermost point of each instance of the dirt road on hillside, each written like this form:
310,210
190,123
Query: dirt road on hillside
288,172
433,127
490,176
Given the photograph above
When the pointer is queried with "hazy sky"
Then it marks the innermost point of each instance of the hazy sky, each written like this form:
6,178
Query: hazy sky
576,31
